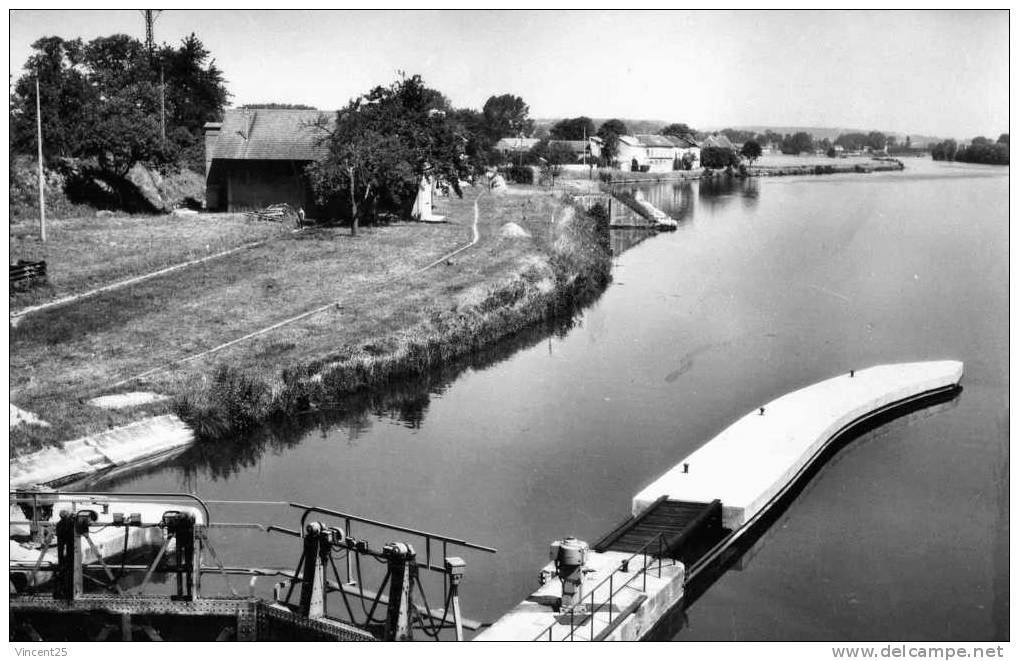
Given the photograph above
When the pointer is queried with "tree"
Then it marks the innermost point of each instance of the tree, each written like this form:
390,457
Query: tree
506,115
382,143
678,130
1003,139
195,93
577,128
64,93
982,150
852,141
944,151
737,136
751,151
609,132
91,91
909,142
798,143
877,140
123,129
718,158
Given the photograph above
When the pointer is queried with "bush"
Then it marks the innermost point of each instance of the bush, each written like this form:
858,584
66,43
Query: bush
521,174
718,158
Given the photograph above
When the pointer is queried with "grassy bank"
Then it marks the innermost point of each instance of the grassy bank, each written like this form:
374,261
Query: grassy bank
390,319
86,252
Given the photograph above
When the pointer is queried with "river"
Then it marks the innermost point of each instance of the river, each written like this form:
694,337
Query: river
768,285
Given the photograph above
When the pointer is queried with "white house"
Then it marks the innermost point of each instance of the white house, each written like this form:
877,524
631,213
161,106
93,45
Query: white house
654,153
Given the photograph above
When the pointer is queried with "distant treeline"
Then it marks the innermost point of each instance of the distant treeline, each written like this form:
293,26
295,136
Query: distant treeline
980,150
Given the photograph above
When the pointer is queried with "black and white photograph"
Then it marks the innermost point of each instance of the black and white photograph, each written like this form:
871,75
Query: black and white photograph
505,325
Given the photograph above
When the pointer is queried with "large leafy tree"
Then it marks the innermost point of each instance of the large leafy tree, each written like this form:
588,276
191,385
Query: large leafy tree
678,129
751,151
103,99
797,143
506,115
576,128
65,95
609,132
382,142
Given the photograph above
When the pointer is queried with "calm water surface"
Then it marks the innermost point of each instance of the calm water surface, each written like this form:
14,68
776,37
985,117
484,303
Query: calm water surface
767,286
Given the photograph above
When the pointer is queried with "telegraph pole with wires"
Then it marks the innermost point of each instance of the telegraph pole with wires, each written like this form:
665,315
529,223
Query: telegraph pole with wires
150,19
42,178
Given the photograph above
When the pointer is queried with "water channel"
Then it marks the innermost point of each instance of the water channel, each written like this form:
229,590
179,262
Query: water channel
768,285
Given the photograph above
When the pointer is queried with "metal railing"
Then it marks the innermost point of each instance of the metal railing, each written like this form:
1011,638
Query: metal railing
428,537
589,604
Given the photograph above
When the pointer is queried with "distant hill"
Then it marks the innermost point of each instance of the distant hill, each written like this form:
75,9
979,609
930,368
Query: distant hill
819,132
822,132
635,125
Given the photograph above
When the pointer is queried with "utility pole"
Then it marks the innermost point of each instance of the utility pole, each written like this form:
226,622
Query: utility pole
162,104
42,179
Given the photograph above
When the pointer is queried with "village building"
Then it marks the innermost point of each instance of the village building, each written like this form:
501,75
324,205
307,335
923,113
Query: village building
717,140
686,147
254,158
583,150
648,152
515,145
660,152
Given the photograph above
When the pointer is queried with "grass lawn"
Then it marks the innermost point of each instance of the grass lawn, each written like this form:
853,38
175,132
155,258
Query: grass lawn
62,357
88,252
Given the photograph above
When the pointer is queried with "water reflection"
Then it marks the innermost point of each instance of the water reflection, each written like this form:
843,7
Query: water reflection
720,191
679,199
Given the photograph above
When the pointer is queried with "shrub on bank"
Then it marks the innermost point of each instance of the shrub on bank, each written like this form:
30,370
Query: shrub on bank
521,174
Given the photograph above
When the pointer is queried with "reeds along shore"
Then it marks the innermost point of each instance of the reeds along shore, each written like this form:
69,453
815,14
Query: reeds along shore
573,269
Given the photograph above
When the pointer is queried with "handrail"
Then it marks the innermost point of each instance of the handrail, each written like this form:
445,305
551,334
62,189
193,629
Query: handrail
613,590
22,493
308,509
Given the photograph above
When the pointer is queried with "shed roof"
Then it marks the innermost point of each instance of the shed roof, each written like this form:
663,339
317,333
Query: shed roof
276,134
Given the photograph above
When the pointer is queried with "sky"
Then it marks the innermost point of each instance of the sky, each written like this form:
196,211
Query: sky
942,73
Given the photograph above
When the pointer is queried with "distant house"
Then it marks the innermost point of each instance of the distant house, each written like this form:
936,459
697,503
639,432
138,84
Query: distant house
513,145
254,158
660,152
686,145
654,153
589,149
630,153
717,140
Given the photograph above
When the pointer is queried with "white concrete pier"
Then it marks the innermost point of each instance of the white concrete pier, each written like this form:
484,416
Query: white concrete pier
753,459
746,467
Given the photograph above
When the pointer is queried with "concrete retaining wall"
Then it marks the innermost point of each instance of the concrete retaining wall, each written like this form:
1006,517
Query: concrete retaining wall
117,447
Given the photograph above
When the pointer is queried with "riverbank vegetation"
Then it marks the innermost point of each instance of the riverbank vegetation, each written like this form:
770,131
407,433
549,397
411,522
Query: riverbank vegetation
979,150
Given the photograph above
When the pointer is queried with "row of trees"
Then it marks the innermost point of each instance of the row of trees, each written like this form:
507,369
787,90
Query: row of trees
106,99
979,150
